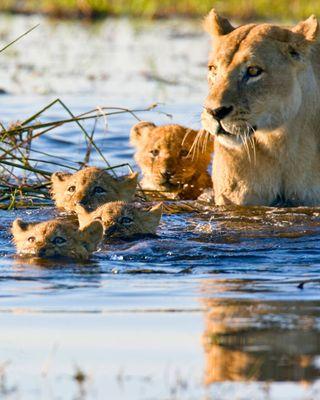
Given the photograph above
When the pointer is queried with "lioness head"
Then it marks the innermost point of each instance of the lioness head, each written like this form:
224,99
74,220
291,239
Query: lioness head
257,76
56,238
170,156
120,219
91,187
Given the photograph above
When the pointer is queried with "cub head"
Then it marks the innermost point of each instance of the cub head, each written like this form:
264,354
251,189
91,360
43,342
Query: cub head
56,238
259,76
170,156
123,220
91,187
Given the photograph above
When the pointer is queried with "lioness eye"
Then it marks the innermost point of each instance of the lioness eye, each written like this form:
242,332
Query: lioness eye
125,220
155,153
254,71
58,240
184,152
71,189
98,190
31,239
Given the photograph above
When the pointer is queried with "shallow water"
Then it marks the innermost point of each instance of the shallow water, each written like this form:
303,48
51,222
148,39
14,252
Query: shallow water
224,304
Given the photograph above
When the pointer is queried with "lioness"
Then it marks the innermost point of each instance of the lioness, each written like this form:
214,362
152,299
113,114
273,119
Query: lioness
173,159
120,219
56,238
91,187
263,108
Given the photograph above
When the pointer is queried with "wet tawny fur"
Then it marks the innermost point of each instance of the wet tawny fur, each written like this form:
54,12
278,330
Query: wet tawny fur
267,146
120,219
173,159
91,187
56,238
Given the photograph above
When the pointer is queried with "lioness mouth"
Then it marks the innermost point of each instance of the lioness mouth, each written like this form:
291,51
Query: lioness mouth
222,131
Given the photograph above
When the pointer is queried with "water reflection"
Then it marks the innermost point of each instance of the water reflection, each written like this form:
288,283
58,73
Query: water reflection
260,340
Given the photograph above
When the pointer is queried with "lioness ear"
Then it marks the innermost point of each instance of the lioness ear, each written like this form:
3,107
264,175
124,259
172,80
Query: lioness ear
139,131
19,226
92,234
309,29
217,25
60,176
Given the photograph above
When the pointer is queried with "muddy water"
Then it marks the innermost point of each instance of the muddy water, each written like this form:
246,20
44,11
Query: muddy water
224,304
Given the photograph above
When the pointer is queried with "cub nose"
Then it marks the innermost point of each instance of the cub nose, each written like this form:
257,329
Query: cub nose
82,202
167,174
220,112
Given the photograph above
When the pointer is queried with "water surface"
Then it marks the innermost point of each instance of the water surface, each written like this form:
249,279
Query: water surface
224,304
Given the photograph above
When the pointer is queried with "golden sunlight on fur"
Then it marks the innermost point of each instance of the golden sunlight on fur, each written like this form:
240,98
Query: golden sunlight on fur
263,109
91,187
173,159
56,238
120,219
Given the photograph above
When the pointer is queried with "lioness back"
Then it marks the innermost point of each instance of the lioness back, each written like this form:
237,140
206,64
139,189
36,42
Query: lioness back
56,238
91,187
173,159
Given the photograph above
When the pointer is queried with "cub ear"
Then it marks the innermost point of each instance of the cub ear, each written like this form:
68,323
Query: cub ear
155,213
140,131
216,25
309,29
92,234
60,176
130,180
19,226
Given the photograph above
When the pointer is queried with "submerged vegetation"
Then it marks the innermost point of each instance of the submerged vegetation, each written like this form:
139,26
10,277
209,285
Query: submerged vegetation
237,9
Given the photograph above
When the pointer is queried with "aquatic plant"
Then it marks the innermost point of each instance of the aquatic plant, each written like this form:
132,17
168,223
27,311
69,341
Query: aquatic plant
22,182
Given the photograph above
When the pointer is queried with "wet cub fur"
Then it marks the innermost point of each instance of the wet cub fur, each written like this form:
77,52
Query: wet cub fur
122,219
173,159
91,187
56,238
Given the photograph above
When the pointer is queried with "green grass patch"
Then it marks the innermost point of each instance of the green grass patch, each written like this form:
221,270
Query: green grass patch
237,9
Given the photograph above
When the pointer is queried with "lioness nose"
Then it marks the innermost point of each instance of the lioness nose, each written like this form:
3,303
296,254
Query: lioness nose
220,112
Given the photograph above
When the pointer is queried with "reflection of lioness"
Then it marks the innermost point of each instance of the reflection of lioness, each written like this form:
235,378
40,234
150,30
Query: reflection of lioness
173,159
264,109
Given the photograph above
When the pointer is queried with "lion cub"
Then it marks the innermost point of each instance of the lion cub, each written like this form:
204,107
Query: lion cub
173,159
56,238
120,219
91,187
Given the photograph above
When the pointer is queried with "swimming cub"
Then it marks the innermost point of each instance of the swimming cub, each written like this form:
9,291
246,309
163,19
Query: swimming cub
120,219
91,187
173,159
56,238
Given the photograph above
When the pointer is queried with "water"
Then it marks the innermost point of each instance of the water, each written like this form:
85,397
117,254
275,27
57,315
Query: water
224,304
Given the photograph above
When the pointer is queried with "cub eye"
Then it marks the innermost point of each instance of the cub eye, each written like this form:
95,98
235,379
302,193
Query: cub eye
125,220
252,72
155,153
31,239
184,153
58,240
211,68
71,189
98,190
